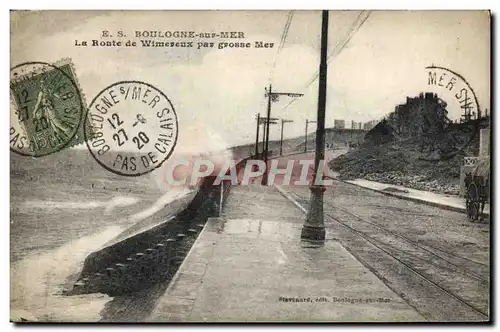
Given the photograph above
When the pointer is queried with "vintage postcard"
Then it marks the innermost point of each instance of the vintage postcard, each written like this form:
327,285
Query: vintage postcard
250,166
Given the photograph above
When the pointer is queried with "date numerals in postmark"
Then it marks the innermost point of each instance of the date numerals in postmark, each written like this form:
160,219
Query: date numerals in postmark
23,111
135,128
120,137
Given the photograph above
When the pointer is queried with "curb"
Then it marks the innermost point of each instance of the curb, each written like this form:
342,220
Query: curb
291,199
167,292
412,199
172,281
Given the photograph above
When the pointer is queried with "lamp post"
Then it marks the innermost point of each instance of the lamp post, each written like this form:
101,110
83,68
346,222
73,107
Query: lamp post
314,226
283,121
307,123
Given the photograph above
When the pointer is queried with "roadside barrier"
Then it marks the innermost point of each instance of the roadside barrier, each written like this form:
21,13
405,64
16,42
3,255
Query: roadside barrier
153,255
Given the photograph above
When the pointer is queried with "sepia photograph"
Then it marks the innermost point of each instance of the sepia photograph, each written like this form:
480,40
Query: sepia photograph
250,166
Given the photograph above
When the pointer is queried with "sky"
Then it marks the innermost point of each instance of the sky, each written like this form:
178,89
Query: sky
217,93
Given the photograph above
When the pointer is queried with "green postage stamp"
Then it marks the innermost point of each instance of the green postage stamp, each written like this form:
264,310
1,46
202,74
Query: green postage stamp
47,108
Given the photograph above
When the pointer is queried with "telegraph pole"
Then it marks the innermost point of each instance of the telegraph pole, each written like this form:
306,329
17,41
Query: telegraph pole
264,122
269,96
272,97
307,122
283,121
314,226
257,136
263,136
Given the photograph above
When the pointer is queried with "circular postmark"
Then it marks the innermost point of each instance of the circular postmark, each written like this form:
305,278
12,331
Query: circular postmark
451,98
132,128
46,108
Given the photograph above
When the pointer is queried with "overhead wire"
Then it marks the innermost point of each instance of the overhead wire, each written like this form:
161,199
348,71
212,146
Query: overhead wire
334,50
284,35
339,47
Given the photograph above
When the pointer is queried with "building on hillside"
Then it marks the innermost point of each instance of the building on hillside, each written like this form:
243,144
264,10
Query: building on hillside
339,124
369,125
424,113
381,133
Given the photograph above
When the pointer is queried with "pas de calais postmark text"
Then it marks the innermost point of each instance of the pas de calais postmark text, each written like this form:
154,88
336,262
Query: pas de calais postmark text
47,108
133,128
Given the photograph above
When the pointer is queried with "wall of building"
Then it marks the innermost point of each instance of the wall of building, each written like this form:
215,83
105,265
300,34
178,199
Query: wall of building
339,124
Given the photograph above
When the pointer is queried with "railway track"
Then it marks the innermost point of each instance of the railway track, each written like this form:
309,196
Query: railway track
442,286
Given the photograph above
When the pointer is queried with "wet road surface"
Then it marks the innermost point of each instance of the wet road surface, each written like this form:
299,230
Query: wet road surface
434,258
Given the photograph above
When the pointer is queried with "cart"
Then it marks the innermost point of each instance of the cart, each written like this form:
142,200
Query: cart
477,186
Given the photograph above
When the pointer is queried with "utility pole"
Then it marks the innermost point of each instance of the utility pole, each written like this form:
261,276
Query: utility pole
263,136
266,152
272,97
263,121
314,226
307,122
283,121
257,137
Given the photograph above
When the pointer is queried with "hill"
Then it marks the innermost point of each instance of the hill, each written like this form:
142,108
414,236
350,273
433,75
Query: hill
333,138
400,162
